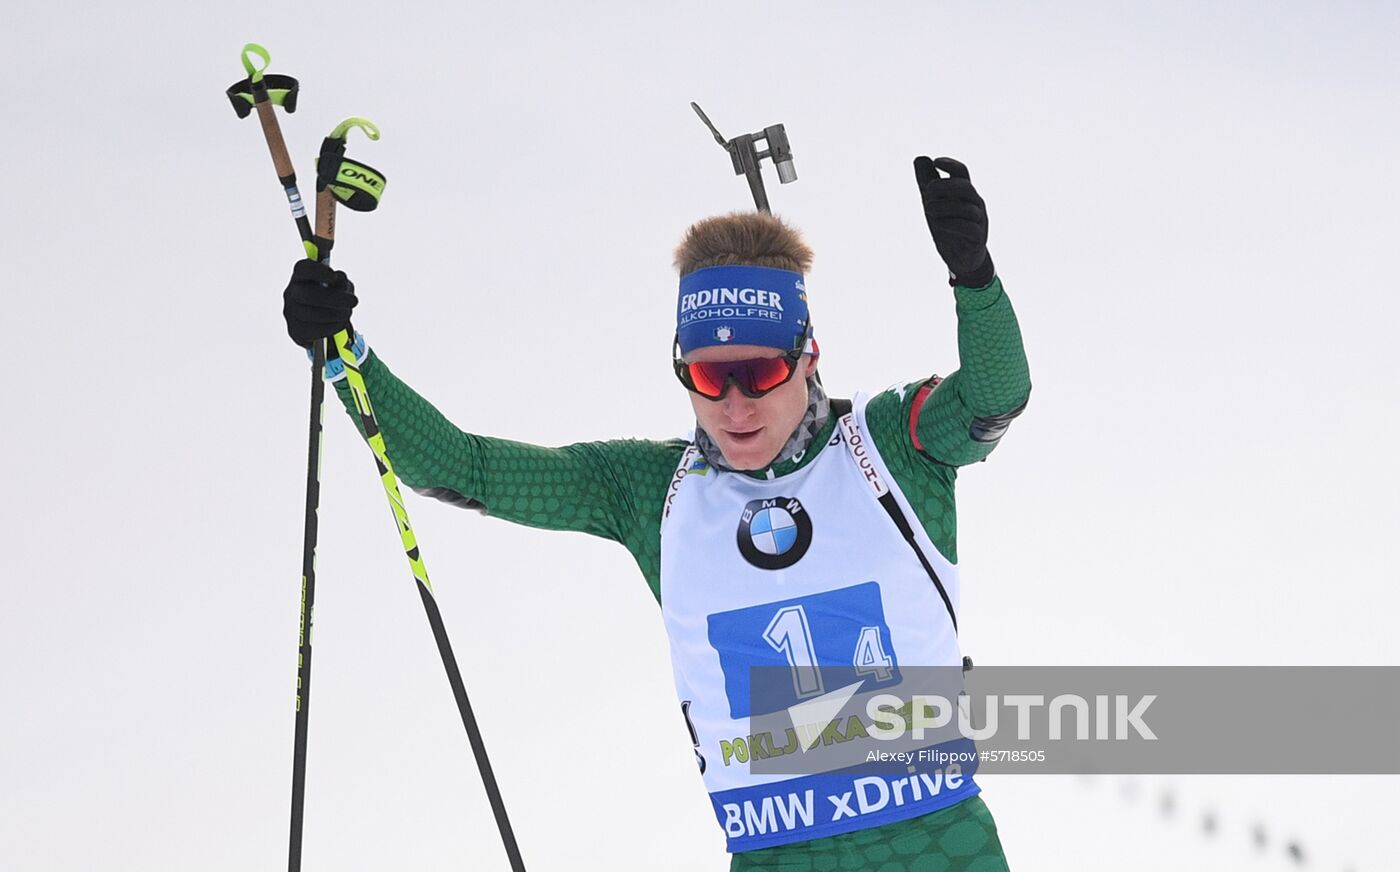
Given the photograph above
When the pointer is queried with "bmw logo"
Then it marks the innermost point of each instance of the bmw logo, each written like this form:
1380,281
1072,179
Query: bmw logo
774,533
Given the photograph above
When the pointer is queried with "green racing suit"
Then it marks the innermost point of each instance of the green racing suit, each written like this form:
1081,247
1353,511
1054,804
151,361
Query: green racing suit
925,430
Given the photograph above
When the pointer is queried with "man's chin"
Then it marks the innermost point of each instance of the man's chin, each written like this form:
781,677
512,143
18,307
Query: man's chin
748,458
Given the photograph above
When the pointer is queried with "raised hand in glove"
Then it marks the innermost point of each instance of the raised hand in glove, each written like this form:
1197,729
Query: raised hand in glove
957,218
317,302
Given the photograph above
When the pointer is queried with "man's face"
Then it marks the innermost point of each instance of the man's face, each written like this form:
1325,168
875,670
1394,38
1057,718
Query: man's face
750,431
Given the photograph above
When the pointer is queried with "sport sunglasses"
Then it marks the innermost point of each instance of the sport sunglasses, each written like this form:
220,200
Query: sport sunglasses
753,377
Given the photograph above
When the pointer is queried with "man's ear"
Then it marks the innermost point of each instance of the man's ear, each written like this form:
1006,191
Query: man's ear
811,363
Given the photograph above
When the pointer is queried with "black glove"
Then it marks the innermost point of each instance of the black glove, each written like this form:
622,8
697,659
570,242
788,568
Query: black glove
317,302
957,218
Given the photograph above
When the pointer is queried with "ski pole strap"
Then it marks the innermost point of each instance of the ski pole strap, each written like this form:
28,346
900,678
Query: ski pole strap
260,87
354,185
280,90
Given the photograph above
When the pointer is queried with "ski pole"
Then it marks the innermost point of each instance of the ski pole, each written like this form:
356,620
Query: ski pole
261,92
359,187
341,180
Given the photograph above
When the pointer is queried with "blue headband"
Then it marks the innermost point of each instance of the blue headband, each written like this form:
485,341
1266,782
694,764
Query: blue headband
741,305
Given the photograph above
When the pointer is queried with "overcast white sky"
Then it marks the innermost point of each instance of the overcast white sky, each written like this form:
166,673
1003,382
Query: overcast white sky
1193,209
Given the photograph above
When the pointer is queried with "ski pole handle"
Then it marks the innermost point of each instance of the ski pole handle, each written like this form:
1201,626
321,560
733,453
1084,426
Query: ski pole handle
340,180
325,225
262,92
272,131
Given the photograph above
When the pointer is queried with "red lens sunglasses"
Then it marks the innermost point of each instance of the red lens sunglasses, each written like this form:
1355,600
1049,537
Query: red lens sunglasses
753,377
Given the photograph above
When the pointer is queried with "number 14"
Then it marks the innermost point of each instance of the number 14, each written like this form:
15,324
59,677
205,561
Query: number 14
790,634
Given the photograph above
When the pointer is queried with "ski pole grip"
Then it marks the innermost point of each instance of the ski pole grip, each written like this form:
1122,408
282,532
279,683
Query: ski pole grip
272,131
325,224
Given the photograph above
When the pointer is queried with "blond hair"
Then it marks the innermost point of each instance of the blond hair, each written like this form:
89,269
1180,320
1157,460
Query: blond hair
748,238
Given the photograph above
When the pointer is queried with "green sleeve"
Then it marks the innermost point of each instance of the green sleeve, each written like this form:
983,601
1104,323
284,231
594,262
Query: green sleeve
613,489
961,420
964,417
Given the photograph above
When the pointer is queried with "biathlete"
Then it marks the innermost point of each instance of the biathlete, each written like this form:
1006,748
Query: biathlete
793,531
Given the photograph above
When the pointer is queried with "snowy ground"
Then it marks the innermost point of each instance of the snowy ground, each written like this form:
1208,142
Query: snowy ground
1192,208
